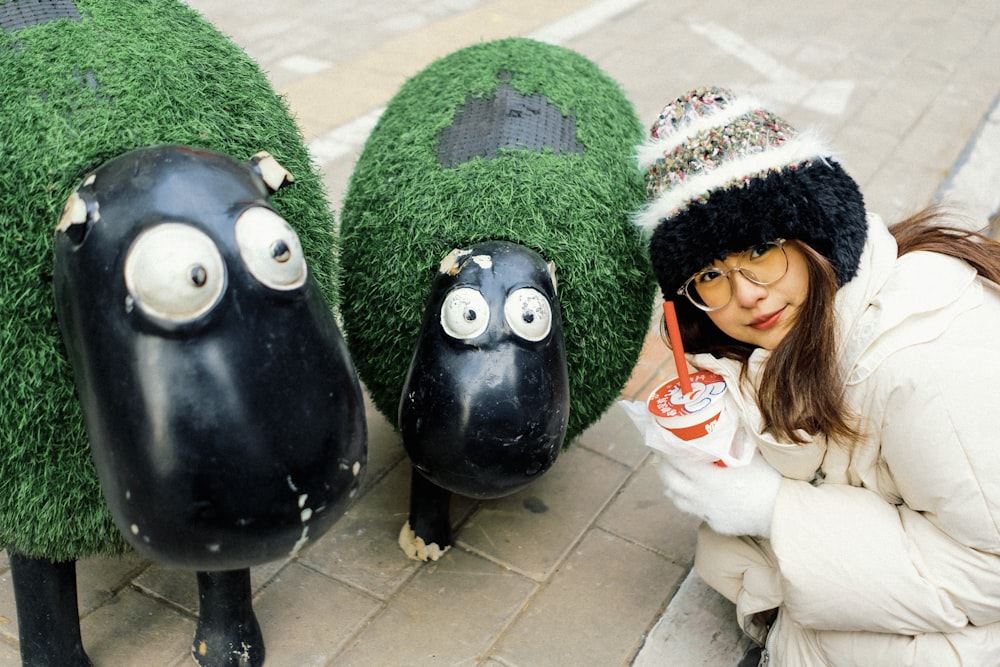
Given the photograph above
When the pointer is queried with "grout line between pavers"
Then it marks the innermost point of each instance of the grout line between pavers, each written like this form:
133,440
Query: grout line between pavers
353,638
684,564
354,587
648,630
152,595
567,552
488,651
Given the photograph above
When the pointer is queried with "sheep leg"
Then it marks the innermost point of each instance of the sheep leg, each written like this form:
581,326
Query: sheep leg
228,634
48,619
427,534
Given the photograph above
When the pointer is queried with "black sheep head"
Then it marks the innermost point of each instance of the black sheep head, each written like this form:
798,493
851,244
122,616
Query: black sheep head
484,407
224,414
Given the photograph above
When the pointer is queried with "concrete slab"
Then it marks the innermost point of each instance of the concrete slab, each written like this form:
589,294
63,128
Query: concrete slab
697,630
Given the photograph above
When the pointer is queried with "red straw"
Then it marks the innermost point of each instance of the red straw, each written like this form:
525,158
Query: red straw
674,333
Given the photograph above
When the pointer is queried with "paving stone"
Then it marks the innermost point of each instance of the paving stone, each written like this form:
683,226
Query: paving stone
926,145
307,617
336,29
532,530
698,629
133,630
99,579
899,190
385,448
361,549
616,437
261,575
641,513
178,587
376,74
594,609
9,654
872,148
449,614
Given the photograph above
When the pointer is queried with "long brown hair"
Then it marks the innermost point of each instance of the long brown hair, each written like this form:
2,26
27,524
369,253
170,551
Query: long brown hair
801,388
925,231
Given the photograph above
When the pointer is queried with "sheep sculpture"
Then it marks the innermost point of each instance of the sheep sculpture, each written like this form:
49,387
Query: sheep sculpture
496,295
194,292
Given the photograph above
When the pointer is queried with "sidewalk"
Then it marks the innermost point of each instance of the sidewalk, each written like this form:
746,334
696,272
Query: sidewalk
590,565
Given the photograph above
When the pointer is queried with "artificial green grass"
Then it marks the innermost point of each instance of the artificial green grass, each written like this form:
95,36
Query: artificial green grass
404,211
75,94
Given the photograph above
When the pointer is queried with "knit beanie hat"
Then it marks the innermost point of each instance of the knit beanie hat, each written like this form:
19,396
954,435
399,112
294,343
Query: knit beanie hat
724,174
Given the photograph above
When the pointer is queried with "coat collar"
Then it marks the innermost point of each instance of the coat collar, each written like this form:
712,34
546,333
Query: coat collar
896,302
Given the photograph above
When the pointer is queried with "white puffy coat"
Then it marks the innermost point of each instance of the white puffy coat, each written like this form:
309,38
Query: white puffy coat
887,553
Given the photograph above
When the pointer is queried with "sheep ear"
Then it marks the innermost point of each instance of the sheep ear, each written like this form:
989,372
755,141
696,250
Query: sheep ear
270,171
451,263
552,274
78,215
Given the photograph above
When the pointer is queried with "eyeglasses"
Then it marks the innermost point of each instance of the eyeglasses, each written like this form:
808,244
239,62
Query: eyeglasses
712,287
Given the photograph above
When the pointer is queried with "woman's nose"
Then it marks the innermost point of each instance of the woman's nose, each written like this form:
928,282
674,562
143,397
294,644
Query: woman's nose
746,293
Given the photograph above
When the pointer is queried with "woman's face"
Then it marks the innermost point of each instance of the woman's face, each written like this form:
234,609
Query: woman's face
762,315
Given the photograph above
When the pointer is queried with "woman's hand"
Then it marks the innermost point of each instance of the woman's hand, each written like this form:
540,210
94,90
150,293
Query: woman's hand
732,501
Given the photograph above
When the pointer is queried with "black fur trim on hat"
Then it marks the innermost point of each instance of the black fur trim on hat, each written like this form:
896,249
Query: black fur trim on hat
817,203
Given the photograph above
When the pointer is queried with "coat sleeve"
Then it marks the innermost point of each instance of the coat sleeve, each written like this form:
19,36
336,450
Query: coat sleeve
851,560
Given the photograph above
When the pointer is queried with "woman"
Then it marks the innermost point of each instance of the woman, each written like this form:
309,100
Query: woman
864,364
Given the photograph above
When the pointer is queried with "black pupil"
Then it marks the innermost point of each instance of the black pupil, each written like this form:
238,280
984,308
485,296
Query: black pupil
280,251
198,275
470,315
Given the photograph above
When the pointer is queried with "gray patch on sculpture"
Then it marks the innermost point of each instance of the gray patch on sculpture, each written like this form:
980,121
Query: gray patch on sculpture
482,127
23,13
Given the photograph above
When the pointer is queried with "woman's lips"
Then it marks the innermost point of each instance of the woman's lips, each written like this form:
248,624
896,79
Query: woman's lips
765,322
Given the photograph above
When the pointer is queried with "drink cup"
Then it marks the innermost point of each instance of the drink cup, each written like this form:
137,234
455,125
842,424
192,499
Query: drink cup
693,415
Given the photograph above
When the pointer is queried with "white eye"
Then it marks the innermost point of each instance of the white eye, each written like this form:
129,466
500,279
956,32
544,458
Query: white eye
270,249
464,313
174,273
528,313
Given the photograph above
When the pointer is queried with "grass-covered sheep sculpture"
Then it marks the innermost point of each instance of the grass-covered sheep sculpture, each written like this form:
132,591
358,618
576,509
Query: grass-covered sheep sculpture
496,295
192,301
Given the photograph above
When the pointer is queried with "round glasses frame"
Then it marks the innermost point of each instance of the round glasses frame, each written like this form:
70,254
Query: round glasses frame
689,288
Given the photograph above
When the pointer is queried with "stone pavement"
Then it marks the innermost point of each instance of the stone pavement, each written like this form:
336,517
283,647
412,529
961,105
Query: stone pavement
590,565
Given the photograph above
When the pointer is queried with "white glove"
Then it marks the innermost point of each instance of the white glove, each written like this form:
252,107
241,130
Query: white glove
733,501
